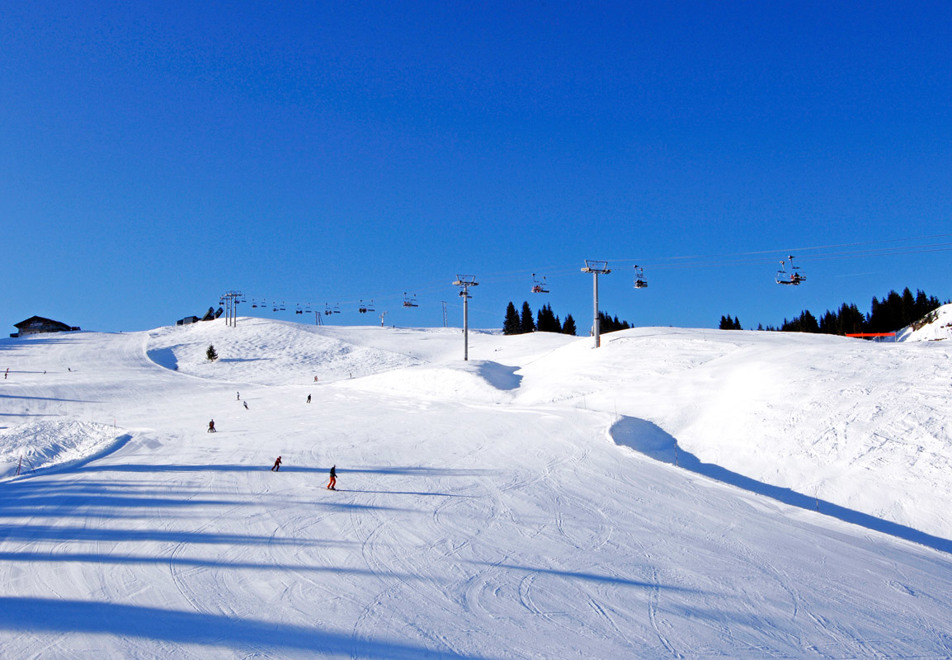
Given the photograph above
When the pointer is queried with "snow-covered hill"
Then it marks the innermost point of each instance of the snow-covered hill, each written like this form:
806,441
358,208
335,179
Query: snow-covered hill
936,326
674,493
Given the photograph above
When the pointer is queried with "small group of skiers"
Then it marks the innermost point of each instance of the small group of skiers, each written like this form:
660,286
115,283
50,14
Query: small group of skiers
331,485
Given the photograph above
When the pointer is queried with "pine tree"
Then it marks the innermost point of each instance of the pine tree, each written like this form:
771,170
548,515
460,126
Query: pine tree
829,323
547,321
850,320
806,322
608,324
512,325
568,327
211,354
526,322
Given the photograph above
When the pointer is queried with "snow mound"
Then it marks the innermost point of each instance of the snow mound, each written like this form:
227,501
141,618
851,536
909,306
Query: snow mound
935,326
268,352
860,424
477,381
45,444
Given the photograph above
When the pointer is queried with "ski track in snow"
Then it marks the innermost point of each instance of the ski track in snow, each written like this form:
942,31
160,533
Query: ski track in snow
483,510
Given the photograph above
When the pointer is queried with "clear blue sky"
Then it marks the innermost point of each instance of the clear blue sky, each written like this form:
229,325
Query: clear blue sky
154,155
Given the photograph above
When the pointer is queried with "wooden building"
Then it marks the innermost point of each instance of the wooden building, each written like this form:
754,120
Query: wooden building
36,325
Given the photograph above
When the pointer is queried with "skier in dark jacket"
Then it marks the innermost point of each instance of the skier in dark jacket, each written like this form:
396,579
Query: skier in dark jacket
332,484
277,464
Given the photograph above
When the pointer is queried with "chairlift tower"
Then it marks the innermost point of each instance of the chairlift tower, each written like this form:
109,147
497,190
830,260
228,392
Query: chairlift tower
596,268
231,299
464,282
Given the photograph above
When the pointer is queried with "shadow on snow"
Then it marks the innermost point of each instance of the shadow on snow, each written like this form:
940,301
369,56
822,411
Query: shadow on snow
588,577
163,560
652,441
177,627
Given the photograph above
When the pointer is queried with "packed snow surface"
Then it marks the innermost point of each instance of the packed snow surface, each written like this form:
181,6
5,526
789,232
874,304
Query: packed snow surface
674,493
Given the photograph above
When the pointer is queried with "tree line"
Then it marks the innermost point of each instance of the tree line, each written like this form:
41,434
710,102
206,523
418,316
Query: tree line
894,312
546,321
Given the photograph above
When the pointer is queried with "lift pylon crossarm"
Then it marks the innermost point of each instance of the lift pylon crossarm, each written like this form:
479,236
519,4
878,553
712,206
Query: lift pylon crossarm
600,267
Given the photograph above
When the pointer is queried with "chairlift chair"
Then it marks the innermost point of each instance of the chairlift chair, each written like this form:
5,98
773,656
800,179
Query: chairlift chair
794,277
640,281
537,286
409,301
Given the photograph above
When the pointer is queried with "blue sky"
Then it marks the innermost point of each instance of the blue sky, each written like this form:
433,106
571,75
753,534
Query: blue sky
156,155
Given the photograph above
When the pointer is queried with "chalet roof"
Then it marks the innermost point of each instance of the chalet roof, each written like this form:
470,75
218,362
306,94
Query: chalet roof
39,320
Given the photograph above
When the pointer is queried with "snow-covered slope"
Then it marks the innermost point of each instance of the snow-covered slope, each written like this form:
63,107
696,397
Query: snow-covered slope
673,493
860,424
936,326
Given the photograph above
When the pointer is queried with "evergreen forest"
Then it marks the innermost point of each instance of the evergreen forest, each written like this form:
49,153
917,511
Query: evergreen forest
894,312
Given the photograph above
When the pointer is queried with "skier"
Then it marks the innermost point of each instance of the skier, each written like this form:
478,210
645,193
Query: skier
211,427
239,395
246,404
277,464
308,398
332,484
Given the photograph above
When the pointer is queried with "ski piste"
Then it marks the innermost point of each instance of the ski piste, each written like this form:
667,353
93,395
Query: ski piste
523,504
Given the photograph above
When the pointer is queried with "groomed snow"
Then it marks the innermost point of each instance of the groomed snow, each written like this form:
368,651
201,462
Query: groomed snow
674,493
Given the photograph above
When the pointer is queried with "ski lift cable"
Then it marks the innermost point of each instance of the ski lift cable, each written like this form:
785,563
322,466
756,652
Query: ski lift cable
859,254
924,246
827,252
